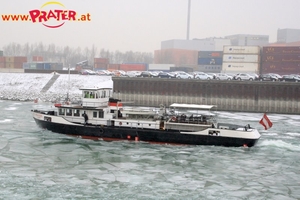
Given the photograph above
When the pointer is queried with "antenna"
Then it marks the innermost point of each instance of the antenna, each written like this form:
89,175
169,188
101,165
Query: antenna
188,20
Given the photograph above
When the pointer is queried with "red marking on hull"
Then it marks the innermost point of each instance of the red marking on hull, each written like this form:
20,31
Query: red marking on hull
119,139
115,104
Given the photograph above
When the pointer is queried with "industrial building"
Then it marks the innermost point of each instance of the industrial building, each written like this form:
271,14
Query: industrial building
288,35
248,40
207,44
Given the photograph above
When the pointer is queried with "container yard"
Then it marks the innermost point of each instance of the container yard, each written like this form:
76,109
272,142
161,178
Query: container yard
282,60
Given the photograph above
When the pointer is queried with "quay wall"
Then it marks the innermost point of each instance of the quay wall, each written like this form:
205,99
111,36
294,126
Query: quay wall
244,96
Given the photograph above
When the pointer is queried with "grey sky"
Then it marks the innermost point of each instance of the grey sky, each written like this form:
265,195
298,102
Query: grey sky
141,25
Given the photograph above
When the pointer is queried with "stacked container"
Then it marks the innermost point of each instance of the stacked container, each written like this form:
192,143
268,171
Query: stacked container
241,59
133,67
43,66
2,62
12,62
178,57
37,59
281,60
101,63
210,61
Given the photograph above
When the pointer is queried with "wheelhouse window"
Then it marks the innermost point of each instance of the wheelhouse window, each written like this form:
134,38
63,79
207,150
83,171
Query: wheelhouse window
76,113
61,111
101,114
94,114
69,112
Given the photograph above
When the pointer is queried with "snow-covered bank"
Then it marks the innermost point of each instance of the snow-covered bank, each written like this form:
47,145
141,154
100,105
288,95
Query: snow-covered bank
27,87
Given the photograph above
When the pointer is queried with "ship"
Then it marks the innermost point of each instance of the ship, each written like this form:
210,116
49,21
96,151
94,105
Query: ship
99,116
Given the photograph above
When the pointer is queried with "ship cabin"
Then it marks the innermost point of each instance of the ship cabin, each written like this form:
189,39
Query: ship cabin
97,107
96,97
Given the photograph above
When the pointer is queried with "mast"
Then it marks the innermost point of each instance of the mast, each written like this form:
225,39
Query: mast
68,83
188,21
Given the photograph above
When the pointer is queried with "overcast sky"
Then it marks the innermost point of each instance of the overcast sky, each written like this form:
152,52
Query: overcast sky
141,25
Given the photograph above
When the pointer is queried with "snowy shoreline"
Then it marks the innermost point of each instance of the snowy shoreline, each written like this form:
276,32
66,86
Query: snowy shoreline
27,87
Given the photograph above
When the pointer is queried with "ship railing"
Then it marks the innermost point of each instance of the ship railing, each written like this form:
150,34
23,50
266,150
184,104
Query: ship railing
187,127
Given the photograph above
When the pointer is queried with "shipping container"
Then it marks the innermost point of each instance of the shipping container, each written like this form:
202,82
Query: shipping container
240,67
20,59
2,59
78,68
18,65
47,66
280,68
160,67
56,66
100,66
241,58
210,61
9,59
209,68
33,65
37,58
10,65
178,57
26,65
2,64
281,58
113,67
39,65
132,67
101,60
281,50
241,50
1,53
209,54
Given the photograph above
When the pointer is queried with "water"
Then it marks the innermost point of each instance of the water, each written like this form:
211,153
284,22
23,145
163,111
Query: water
39,164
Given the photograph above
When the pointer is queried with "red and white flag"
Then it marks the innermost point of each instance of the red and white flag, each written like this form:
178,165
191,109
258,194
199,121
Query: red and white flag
265,121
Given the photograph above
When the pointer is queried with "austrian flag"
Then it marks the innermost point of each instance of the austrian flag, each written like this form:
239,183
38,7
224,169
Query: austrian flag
265,121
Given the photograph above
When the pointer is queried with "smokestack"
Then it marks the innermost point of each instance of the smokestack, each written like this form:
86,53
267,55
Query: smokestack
188,21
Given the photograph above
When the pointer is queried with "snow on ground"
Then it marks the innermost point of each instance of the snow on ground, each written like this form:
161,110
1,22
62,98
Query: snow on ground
27,87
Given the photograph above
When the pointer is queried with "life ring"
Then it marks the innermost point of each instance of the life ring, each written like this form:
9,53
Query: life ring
173,119
120,123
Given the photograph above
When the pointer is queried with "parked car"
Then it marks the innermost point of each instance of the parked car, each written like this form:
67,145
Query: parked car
290,78
256,76
183,75
103,72
244,77
119,73
147,74
87,72
203,76
268,77
277,75
222,76
166,75
214,75
133,73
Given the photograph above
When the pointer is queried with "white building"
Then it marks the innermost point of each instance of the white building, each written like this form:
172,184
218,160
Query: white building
288,35
208,44
248,40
